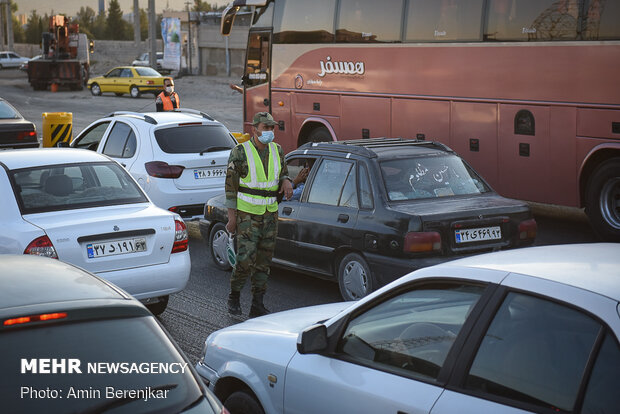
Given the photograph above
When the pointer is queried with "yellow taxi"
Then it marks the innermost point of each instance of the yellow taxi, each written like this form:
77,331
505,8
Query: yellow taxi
134,80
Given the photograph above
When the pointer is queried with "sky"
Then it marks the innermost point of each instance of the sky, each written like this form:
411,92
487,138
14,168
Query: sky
71,7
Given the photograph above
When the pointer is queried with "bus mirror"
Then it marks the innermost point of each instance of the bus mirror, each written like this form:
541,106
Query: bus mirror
228,17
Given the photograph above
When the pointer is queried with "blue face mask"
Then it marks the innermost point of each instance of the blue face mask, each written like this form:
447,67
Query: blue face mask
266,137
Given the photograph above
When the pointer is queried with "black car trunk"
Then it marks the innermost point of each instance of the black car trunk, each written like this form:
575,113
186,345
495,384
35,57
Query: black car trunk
17,133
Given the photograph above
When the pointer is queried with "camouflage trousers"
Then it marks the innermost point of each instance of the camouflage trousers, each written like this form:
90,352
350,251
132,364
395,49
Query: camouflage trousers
256,241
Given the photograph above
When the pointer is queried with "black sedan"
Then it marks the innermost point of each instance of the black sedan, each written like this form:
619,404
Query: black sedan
373,210
15,131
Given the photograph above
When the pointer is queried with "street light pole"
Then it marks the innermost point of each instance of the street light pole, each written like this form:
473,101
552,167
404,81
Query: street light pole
189,38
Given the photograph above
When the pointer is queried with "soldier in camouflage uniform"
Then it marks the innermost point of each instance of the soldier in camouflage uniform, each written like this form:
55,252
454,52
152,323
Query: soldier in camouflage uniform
256,174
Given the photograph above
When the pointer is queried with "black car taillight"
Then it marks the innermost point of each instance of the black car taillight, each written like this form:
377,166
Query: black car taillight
418,242
528,229
34,318
26,134
162,169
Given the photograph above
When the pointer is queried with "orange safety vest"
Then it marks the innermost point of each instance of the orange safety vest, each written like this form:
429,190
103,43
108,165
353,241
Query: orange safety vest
168,102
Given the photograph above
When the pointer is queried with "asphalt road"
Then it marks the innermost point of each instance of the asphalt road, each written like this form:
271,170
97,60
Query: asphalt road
201,308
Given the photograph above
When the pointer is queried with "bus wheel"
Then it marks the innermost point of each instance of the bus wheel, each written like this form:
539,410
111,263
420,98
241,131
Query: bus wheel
320,134
603,200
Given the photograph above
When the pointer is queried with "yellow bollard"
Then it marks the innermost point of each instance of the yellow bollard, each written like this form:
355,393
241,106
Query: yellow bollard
57,127
241,137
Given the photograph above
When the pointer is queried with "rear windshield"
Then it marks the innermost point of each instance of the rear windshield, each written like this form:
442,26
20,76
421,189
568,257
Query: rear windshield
191,139
430,177
115,356
7,112
147,71
63,187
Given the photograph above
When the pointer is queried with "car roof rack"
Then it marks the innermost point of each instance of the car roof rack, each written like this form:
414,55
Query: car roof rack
139,115
364,147
195,112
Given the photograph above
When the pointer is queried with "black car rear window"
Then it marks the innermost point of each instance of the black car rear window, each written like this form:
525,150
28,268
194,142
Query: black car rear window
430,177
101,347
7,112
189,139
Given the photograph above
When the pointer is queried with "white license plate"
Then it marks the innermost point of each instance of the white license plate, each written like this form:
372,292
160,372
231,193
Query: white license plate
115,247
209,173
479,234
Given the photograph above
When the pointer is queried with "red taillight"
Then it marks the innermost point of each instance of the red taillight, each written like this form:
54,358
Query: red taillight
35,318
26,134
42,246
416,242
180,237
528,229
161,169
150,82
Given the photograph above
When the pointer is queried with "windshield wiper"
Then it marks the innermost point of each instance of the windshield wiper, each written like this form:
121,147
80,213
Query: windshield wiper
118,402
211,149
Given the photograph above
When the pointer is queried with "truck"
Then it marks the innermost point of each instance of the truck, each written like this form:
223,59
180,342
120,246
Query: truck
65,60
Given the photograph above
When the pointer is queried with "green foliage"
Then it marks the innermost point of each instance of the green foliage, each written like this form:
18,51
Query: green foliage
116,27
34,28
201,6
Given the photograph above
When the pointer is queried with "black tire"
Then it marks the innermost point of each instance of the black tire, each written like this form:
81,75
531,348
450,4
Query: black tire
159,307
95,89
134,91
240,402
118,93
319,134
354,277
603,200
218,237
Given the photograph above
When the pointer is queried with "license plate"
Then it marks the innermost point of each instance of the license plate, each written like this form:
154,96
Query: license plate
209,173
115,247
479,234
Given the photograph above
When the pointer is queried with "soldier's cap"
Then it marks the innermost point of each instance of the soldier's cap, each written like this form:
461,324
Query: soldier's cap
263,118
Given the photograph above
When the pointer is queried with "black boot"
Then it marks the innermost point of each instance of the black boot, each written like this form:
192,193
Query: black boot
234,307
258,309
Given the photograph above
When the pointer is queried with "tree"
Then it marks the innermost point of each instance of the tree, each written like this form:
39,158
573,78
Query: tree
116,26
144,25
18,30
34,28
99,27
202,6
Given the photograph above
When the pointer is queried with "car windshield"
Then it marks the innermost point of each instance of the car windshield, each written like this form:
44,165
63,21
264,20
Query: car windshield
147,71
7,111
191,139
64,187
115,356
429,177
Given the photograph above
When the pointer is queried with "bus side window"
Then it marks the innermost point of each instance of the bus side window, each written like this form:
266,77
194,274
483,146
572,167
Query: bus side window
525,123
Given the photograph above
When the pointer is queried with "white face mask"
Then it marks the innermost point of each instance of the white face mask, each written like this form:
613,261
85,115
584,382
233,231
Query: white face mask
168,89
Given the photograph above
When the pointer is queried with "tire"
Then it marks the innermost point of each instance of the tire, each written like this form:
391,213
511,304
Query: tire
603,200
159,307
95,89
354,277
134,91
218,238
240,402
118,93
320,134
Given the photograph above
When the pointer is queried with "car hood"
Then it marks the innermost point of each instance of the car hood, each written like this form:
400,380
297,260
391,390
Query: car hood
484,204
292,321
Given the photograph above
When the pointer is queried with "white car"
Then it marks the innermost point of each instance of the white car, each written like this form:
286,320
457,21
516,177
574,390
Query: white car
11,60
82,208
179,158
143,60
518,331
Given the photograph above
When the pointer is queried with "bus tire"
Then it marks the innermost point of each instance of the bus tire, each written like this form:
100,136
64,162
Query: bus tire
603,200
319,134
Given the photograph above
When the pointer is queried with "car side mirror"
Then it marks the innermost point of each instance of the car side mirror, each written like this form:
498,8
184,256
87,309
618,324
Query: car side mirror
62,144
312,340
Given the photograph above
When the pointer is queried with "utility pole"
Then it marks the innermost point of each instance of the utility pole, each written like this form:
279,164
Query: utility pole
2,13
136,25
189,38
152,35
9,26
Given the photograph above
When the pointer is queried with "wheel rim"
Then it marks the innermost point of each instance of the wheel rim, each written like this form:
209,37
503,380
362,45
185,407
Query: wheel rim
355,280
95,89
218,247
610,202
134,92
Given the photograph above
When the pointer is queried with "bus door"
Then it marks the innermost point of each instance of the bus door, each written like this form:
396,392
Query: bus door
257,76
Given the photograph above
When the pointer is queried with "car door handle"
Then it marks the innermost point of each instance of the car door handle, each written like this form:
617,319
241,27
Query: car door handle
343,218
287,210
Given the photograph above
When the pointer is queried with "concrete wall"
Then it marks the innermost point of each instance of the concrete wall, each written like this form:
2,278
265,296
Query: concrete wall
110,53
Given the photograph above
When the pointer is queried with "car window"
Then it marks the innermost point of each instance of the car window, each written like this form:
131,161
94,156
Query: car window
192,139
126,73
366,200
124,354
535,352
349,192
147,71
413,332
429,177
114,73
329,182
602,394
91,138
85,185
7,112
118,143
296,171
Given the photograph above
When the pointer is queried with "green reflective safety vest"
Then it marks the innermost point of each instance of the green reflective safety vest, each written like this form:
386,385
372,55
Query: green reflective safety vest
257,180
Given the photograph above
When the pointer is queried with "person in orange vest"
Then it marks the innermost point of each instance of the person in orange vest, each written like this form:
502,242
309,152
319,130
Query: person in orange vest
168,99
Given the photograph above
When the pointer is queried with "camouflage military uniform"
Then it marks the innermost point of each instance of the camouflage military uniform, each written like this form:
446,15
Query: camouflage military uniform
256,234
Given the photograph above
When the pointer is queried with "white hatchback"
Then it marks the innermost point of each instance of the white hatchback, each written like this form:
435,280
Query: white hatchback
179,158
85,209
517,331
